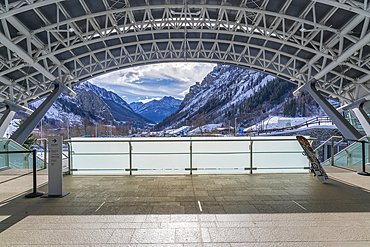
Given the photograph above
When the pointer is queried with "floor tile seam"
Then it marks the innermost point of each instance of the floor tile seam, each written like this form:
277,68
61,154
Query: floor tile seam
198,213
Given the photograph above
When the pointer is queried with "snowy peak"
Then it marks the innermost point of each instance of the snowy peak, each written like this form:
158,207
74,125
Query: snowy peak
94,104
136,105
157,110
226,92
227,84
107,95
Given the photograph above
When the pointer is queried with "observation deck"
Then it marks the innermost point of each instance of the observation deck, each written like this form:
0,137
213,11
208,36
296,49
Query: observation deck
183,210
266,209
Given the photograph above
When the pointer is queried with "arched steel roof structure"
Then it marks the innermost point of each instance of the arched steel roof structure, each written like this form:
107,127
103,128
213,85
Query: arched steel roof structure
73,40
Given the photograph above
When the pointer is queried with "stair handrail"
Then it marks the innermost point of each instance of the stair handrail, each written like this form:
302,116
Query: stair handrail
19,145
345,149
321,145
306,123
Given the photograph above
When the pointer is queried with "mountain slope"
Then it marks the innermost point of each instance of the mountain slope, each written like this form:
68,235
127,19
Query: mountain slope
157,110
94,104
120,109
228,92
136,105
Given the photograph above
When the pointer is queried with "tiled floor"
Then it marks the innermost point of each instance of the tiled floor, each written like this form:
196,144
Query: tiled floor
203,210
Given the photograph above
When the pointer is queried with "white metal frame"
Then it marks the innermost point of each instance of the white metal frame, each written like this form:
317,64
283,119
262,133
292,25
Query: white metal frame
297,49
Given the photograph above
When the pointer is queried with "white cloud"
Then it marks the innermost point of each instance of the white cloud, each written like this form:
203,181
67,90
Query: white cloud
153,80
184,92
148,100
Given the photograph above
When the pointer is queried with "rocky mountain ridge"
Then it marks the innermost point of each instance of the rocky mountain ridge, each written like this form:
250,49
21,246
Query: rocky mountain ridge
157,110
92,104
230,92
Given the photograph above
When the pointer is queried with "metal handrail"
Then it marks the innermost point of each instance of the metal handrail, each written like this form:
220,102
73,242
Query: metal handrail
306,123
183,139
321,145
345,150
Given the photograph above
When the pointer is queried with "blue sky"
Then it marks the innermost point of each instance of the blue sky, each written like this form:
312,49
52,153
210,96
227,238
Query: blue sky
148,82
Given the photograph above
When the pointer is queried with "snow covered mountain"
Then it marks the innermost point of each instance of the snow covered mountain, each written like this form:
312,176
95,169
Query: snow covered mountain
228,92
136,105
94,104
120,109
157,110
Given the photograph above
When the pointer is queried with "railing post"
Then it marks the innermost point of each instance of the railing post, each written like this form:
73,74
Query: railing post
251,157
27,161
130,148
45,155
69,157
368,151
348,157
332,152
34,193
191,157
6,147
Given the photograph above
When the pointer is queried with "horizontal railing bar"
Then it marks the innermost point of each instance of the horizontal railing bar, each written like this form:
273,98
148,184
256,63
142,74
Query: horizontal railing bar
183,140
248,153
100,154
186,169
283,168
16,152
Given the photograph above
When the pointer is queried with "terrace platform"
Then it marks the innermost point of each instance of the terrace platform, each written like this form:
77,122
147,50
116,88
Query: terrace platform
198,210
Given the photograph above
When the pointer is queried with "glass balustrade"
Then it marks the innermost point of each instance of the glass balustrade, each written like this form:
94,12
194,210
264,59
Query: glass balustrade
351,156
16,161
185,155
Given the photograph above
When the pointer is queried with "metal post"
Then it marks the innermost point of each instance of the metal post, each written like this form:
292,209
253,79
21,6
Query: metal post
368,151
130,147
6,147
235,128
251,157
332,152
348,157
69,158
45,152
68,128
363,172
191,157
35,193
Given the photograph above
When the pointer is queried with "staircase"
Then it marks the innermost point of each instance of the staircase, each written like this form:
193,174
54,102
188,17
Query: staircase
350,156
16,161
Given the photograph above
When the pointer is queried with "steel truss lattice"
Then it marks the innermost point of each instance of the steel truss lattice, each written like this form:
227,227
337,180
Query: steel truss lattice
74,40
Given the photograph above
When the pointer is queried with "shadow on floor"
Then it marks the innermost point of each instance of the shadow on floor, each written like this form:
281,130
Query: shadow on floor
184,194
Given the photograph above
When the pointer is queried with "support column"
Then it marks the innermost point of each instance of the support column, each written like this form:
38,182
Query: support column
343,125
11,109
22,133
363,118
5,120
358,108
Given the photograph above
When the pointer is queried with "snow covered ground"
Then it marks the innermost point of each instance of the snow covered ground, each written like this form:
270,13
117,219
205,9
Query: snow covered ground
205,128
13,126
277,122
